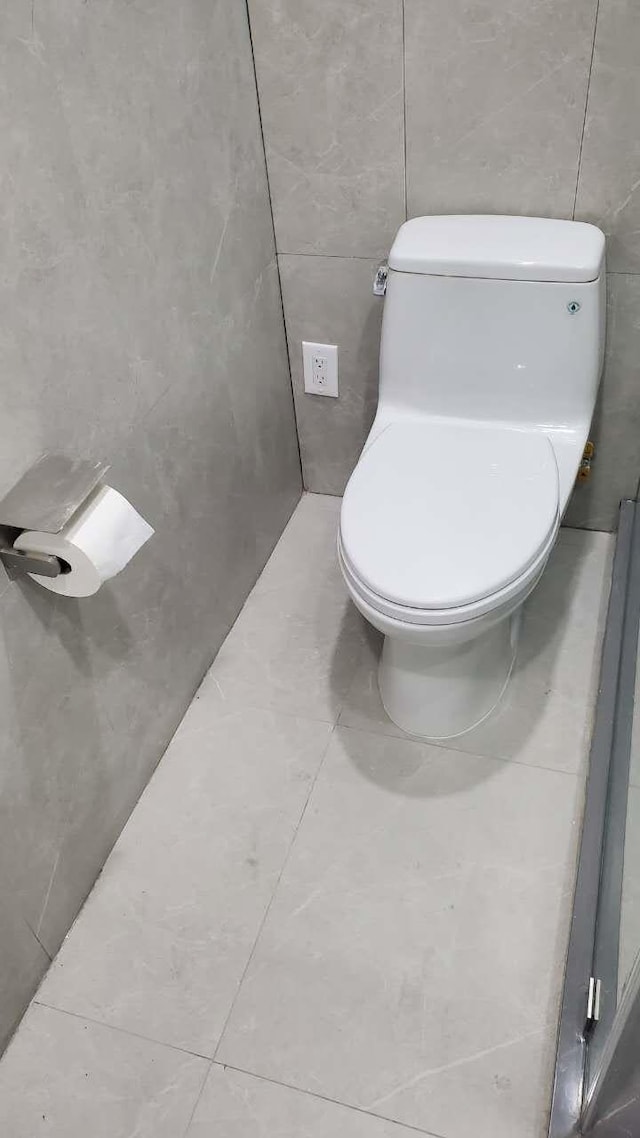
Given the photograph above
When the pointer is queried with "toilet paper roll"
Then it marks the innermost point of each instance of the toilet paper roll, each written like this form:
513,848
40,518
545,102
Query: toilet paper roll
97,542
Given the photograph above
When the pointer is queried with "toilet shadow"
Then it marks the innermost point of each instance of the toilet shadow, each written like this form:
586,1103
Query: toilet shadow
378,748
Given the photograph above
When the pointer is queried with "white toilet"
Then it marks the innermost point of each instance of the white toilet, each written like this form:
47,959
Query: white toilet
490,360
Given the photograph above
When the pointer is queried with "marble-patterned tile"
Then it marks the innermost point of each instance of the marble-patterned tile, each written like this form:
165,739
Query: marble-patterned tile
225,508
237,1105
574,589
73,771
495,105
54,750
298,640
610,165
306,549
545,717
293,648
162,943
31,813
538,727
145,641
110,247
65,1077
411,962
143,325
329,300
616,426
336,175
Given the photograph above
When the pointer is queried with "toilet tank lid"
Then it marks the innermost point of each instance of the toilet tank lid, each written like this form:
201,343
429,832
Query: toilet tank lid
500,248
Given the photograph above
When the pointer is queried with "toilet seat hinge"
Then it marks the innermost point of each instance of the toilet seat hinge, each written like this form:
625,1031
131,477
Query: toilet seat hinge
380,279
584,470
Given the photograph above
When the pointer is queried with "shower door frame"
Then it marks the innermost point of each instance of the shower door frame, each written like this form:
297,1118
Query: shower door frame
588,1044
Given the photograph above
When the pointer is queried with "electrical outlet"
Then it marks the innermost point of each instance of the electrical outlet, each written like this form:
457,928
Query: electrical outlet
320,368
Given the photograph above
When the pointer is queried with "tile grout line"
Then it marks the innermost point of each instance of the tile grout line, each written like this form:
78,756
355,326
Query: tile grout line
274,892
469,754
34,934
144,1039
122,1030
325,1098
248,705
210,1063
586,108
208,1060
196,1104
331,723
48,894
332,257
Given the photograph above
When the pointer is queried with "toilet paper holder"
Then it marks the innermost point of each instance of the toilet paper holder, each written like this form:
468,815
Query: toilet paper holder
45,498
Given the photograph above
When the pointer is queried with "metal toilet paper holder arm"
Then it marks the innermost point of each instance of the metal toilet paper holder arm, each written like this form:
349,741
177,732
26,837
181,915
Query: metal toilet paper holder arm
45,498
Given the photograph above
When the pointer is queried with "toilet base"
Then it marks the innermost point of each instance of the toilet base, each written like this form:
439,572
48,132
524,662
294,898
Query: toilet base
441,692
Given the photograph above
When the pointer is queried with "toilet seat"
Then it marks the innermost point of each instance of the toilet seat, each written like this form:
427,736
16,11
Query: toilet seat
504,601
443,521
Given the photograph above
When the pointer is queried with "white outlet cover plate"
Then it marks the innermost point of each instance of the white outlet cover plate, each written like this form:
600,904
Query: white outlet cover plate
311,353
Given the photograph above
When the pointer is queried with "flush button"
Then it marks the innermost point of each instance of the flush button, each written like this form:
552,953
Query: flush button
573,307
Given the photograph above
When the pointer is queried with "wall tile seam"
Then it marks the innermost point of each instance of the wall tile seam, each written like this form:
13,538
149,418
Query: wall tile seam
49,961
373,257
586,107
39,942
275,240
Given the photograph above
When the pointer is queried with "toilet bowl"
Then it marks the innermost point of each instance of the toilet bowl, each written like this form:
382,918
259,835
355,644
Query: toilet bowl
488,379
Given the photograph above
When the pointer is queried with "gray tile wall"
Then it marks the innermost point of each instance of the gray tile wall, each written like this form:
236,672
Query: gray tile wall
375,110
140,322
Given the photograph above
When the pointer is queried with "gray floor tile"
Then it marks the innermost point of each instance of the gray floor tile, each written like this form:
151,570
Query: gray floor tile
163,940
298,640
537,728
545,717
66,1078
237,1105
307,549
293,650
412,958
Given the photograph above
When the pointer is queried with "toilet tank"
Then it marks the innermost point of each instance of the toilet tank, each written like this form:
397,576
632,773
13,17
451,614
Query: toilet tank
495,319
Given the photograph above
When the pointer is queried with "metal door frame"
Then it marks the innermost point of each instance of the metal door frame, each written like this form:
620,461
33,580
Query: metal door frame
594,1045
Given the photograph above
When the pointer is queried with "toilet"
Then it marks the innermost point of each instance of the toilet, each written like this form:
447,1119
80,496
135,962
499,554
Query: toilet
490,360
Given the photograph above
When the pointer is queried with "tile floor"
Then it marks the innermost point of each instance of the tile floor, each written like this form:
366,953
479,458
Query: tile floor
313,926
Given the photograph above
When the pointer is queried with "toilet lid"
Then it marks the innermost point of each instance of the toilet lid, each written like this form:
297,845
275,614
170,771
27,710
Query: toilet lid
438,515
